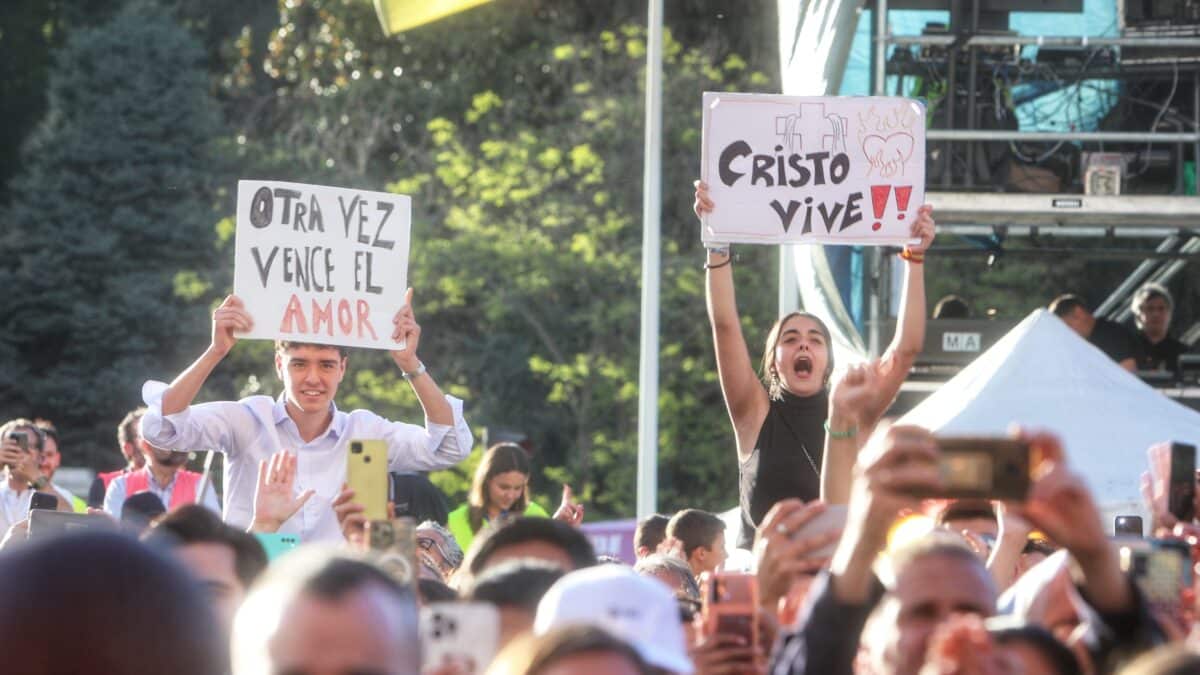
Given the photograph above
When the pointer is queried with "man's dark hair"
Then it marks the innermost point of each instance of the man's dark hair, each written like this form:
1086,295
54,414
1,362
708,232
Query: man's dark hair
650,532
416,497
1065,304
194,524
48,430
140,510
523,529
127,430
121,592
694,528
281,346
515,583
432,590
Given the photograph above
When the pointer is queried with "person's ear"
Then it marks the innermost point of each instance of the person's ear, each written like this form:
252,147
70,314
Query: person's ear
279,365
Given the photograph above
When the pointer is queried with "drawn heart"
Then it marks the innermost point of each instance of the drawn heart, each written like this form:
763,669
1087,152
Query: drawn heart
896,148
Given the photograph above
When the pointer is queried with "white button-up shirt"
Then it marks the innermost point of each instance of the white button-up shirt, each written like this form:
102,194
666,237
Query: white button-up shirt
14,506
252,429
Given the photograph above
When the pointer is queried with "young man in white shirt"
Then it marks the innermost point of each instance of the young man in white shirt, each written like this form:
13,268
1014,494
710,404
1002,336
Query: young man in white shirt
303,420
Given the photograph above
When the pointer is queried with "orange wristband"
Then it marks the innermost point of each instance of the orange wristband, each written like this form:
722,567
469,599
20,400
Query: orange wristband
910,256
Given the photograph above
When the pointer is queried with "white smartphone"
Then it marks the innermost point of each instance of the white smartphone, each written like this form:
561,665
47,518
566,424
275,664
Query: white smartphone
466,634
832,518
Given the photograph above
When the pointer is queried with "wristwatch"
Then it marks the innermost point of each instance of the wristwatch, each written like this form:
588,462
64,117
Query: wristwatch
416,373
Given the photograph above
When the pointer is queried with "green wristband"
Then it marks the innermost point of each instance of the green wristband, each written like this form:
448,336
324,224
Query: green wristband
849,433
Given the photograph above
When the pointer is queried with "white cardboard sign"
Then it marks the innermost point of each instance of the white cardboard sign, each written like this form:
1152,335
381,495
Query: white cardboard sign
796,169
321,264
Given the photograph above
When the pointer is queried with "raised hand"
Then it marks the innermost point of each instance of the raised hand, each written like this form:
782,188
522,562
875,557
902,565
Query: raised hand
406,328
855,391
351,517
229,317
923,228
783,557
274,498
703,205
568,511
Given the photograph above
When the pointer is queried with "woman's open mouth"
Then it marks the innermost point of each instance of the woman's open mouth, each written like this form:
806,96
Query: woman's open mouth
803,365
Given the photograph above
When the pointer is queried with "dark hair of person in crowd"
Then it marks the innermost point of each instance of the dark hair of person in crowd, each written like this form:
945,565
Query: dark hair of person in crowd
498,459
194,524
416,497
104,603
649,534
671,571
769,376
1057,655
140,510
432,590
1172,659
48,429
694,528
523,530
127,430
281,347
1066,304
952,307
517,583
532,655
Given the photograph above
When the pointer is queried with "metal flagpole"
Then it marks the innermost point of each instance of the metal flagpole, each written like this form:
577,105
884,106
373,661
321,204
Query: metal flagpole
647,475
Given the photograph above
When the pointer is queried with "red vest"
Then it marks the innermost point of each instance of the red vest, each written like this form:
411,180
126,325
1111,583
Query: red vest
183,493
108,477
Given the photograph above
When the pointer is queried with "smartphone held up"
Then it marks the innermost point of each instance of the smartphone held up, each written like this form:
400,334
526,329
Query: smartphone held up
981,467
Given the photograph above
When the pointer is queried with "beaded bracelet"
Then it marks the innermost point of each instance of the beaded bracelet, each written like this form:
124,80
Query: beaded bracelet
849,433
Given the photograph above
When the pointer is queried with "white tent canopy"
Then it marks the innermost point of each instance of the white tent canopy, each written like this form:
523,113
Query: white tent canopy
1044,376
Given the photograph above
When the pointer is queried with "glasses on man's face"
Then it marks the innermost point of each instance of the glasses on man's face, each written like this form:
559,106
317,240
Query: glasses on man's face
428,544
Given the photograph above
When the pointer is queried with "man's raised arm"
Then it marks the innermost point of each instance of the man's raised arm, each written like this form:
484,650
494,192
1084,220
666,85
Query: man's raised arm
227,318
433,402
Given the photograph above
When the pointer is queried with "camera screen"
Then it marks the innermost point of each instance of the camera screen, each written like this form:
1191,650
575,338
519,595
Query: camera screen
967,470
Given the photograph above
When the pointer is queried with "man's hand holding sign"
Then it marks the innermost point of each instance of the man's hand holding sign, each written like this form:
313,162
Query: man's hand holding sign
317,269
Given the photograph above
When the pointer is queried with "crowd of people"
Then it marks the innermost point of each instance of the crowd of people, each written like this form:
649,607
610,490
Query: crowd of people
859,561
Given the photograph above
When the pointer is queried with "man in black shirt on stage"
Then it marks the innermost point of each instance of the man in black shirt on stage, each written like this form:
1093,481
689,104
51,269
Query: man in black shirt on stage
1152,307
1110,337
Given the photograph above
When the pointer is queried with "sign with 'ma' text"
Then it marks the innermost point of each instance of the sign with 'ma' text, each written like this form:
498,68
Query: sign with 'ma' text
321,264
792,169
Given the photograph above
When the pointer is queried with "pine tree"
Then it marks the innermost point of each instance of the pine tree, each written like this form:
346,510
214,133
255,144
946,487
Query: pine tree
113,209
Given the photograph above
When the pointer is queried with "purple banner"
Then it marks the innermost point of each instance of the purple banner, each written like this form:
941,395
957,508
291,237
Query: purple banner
612,537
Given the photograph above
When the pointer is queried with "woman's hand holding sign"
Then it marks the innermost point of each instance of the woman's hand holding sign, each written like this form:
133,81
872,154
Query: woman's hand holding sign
923,229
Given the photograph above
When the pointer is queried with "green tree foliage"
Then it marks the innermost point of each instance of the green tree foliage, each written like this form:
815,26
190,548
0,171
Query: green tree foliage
109,218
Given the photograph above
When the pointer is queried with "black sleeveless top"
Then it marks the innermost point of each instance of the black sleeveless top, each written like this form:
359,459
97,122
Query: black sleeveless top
786,461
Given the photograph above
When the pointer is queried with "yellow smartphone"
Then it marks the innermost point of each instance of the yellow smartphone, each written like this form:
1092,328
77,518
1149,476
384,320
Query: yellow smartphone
367,475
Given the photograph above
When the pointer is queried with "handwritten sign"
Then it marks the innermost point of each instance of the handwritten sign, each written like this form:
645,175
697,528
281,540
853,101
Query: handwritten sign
321,264
793,169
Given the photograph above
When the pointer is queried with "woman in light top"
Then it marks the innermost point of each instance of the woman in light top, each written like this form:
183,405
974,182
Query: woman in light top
499,490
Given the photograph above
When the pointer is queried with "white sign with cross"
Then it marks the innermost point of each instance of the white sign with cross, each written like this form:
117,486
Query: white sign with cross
792,169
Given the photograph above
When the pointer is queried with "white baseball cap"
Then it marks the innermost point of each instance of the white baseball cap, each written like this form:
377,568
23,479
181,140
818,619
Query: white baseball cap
639,610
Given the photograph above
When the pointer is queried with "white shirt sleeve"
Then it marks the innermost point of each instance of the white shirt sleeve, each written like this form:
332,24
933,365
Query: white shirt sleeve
205,426
114,498
434,446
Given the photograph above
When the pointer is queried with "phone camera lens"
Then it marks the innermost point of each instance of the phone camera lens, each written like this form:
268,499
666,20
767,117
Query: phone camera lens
356,448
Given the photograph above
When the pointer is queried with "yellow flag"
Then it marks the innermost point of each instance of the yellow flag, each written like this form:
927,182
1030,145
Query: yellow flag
400,15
